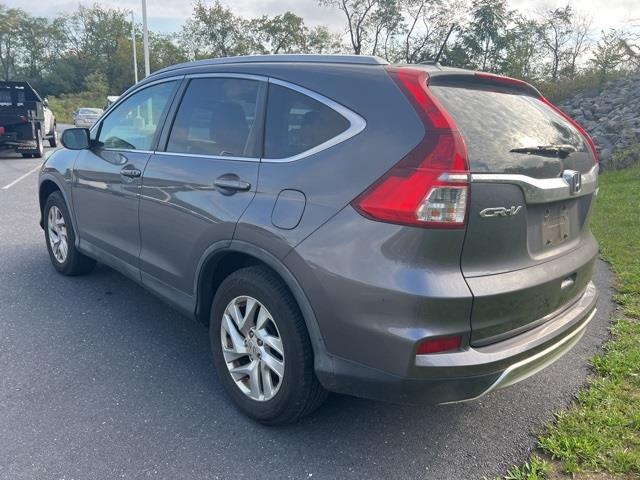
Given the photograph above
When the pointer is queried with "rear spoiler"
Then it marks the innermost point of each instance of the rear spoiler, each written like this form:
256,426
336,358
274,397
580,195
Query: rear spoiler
463,76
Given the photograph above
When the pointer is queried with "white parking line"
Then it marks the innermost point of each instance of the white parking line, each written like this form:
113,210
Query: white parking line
8,186
35,169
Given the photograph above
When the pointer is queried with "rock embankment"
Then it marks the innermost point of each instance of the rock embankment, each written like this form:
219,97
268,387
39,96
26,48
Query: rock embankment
612,116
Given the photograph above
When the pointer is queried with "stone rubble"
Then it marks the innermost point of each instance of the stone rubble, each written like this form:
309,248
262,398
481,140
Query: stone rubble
611,117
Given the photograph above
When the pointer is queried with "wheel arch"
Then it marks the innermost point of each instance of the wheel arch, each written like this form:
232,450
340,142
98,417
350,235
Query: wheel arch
224,258
47,185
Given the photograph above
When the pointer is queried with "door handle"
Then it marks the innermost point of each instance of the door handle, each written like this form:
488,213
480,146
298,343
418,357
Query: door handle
227,183
130,172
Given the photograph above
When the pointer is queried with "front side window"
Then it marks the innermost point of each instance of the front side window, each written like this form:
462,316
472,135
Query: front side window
217,116
297,123
133,124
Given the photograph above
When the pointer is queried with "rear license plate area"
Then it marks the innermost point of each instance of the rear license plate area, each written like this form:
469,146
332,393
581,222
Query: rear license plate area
555,225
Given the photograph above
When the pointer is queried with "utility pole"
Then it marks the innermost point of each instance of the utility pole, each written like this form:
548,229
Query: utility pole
133,41
145,38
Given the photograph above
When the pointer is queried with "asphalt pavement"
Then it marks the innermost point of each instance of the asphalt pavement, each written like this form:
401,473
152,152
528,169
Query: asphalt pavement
101,380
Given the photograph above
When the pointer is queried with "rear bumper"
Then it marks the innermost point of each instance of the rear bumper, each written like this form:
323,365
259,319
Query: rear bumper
469,374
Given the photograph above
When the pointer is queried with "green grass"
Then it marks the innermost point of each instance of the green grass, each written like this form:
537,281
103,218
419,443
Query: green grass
600,432
534,469
64,105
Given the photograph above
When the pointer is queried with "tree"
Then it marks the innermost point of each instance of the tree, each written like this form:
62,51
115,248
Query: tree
214,31
609,52
284,33
93,36
428,23
555,34
521,49
385,21
320,40
10,44
484,36
579,43
358,14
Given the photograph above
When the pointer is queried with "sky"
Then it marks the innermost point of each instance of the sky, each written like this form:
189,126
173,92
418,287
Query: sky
168,15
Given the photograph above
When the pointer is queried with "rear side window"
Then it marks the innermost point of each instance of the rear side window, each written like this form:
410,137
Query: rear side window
493,123
296,123
217,117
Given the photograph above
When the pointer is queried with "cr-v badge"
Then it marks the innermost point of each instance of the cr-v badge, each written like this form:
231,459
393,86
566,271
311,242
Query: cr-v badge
500,211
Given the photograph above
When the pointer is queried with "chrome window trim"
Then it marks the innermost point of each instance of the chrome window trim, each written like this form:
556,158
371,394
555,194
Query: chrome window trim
542,190
212,157
357,123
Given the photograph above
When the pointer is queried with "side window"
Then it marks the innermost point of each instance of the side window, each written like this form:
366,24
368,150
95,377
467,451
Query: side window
133,124
297,123
217,116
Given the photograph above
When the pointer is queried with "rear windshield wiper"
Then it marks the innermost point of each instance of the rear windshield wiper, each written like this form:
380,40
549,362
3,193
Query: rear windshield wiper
561,151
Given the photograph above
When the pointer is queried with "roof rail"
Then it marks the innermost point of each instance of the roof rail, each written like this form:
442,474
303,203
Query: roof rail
300,58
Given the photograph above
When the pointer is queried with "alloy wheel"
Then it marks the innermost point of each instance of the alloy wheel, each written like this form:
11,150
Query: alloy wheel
252,348
57,230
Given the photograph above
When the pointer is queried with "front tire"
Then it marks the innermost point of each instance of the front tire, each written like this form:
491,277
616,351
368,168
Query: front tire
60,238
261,348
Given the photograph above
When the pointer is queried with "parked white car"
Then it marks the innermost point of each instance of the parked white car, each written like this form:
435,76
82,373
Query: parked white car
86,117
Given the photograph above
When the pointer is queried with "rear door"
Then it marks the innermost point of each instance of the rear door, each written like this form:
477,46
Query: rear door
201,179
528,251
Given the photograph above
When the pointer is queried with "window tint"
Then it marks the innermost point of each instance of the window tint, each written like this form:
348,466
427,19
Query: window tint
297,122
217,116
493,123
133,123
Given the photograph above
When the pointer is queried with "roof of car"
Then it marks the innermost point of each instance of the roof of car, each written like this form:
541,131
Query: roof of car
281,58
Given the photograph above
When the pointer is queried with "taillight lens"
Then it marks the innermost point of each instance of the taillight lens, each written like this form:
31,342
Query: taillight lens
1,130
439,345
578,127
429,187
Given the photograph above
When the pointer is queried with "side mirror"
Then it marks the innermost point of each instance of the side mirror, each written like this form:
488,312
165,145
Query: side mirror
46,102
76,138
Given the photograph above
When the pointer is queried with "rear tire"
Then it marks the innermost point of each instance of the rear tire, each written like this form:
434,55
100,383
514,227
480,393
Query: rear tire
297,391
27,155
60,238
39,151
53,140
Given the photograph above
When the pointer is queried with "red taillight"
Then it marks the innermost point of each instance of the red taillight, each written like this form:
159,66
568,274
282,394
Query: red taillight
1,130
438,345
578,127
429,187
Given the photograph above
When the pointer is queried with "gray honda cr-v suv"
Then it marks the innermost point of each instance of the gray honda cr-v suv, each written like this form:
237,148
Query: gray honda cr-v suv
404,233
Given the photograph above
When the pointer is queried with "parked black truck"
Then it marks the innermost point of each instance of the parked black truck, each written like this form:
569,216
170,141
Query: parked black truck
25,120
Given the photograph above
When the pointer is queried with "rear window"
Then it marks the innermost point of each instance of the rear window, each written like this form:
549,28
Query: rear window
493,123
297,123
90,111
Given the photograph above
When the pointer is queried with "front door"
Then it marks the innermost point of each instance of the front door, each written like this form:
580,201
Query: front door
108,177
